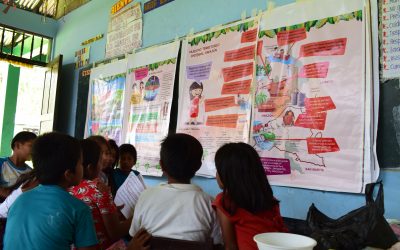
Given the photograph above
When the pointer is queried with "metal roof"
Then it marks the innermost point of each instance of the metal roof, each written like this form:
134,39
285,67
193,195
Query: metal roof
44,7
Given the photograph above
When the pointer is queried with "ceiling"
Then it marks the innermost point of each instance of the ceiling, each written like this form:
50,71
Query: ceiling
50,8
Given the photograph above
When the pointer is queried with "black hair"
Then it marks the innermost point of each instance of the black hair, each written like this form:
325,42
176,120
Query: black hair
90,155
100,140
114,146
195,85
53,154
128,149
245,184
181,155
23,137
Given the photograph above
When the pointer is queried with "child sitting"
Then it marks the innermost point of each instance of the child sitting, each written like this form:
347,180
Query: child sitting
12,167
178,209
246,206
104,160
108,227
48,217
127,159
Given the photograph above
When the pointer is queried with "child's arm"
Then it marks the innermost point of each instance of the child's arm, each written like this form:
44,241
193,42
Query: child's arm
115,228
228,231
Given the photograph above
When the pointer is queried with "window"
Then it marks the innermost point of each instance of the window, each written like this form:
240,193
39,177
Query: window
24,46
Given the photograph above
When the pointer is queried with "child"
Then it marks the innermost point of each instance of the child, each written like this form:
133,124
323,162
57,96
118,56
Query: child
246,206
12,167
24,183
48,217
108,227
127,159
114,154
178,209
195,91
105,173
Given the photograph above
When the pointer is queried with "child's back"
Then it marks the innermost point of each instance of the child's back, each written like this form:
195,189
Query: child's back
48,217
178,209
246,206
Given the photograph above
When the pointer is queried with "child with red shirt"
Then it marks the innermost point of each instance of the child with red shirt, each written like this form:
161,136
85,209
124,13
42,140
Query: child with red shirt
105,214
246,206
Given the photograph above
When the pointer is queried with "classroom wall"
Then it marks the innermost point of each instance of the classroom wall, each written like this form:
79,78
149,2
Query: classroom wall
177,19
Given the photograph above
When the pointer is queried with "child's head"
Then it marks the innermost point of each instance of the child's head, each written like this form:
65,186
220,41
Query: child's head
128,157
90,158
180,157
114,153
57,159
22,143
105,150
241,176
196,89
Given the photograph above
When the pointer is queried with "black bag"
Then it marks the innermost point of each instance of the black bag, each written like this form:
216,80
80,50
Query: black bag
360,228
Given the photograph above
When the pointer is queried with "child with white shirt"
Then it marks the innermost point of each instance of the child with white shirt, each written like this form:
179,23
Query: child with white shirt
178,209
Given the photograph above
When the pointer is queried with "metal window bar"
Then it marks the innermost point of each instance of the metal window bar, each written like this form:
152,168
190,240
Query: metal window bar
22,45
33,40
2,39
12,42
41,49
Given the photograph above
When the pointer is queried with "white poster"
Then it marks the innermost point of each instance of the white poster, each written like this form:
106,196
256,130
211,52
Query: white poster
149,91
124,31
106,99
217,70
311,114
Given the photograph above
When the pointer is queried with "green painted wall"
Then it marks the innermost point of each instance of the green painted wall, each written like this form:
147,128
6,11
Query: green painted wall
10,107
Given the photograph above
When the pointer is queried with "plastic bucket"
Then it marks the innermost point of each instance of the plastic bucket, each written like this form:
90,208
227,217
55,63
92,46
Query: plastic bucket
284,241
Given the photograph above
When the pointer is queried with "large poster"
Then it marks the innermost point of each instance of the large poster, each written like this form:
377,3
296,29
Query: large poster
124,31
310,100
217,70
150,85
106,99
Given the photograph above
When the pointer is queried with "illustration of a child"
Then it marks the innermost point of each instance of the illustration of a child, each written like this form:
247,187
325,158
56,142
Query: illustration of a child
195,91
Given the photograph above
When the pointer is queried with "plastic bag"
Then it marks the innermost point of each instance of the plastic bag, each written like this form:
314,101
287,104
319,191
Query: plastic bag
365,226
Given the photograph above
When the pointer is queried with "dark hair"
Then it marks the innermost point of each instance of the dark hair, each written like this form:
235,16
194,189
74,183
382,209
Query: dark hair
100,140
245,183
113,145
90,155
180,155
128,149
195,85
23,137
53,154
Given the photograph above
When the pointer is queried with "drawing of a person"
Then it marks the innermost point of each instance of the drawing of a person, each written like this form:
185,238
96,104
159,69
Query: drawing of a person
195,91
288,118
141,89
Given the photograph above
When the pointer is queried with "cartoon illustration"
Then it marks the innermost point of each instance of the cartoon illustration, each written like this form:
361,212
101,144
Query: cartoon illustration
137,95
151,89
288,118
195,91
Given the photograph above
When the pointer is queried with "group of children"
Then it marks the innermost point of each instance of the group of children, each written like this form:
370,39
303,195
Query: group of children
67,200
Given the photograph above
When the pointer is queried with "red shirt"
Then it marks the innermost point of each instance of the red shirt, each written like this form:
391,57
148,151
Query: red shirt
100,203
247,225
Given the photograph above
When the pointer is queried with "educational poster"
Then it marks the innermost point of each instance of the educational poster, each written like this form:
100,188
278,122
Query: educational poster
310,98
124,31
149,91
106,99
217,71
390,41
